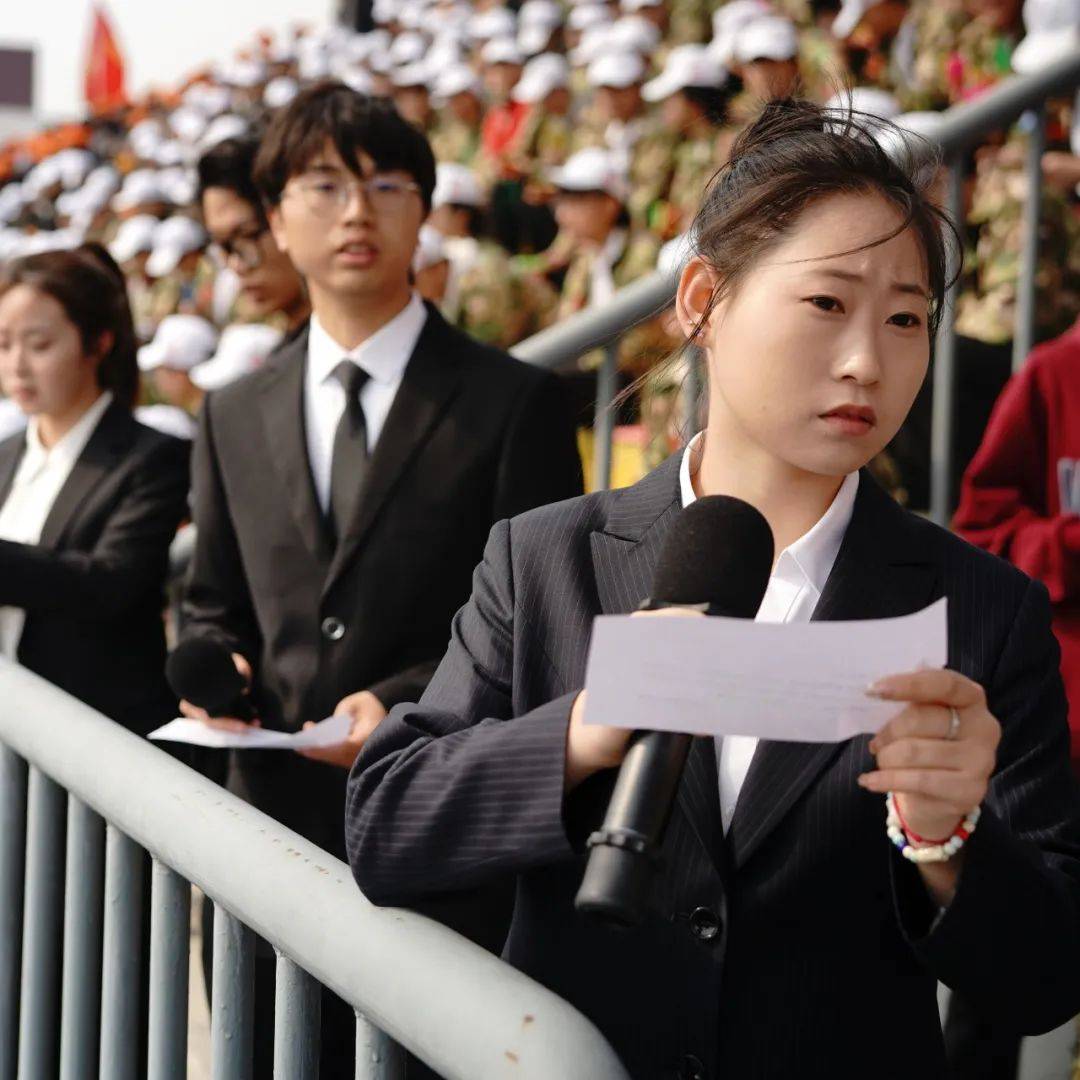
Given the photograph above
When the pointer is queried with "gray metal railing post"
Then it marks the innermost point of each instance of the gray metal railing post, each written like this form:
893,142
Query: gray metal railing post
12,849
378,1057
121,985
604,422
943,421
39,997
232,1008
297,1012
1034,122
170,927
81,999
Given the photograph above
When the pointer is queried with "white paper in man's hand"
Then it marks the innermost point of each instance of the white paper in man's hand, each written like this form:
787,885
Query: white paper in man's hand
328,732
790,682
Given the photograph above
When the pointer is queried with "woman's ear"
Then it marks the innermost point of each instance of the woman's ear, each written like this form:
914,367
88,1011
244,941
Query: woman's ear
694,303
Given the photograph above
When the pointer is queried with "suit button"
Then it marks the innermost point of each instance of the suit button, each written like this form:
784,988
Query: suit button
691,1068
333,629
704,923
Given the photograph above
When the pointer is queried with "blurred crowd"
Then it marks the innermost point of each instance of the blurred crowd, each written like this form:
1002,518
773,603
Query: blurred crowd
574,142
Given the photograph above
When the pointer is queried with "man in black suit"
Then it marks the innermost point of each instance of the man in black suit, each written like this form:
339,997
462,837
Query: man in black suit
344,492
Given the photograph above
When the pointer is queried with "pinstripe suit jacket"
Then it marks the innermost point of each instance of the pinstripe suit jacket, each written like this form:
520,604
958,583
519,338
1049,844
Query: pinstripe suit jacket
799,944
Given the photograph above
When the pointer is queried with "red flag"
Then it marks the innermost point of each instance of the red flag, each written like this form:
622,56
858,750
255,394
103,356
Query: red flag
104,85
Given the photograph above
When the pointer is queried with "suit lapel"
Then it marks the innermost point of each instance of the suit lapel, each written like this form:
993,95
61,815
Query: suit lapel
281,405
431,380
881,571
624,555
104,449
11,453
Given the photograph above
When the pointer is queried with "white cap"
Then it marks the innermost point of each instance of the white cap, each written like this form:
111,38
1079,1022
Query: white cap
771,37
586,16
617,70
533,40
227,126
408,48
412,75
357,79
635,32
595,42
502,51
209,99
280,91
687,65
167,419
456,185
243,348
133,237
145,136
542,74
544,13
429,249
866,99
909,138
180,342
74,164
188,123
494,23
170,152
728,20
242,73
175,238
457,79
140,188
1053,31
445,52
632,7
180,184
849,16
592,169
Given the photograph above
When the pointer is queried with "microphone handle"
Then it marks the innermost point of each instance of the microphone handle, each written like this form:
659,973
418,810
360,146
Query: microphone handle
625,852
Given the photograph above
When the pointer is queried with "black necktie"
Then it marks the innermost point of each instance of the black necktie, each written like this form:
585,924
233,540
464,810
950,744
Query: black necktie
349,463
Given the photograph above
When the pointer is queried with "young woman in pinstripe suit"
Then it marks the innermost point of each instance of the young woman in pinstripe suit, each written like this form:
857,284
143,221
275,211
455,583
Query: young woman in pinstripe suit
787,935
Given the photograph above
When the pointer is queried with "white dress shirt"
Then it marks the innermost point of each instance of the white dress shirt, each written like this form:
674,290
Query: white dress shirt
41,474
794,588
602,285
384,356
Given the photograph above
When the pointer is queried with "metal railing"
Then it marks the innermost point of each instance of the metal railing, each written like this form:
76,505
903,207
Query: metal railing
80,798
963,127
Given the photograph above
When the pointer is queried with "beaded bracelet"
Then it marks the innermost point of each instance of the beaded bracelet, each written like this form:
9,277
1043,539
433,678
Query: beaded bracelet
901,836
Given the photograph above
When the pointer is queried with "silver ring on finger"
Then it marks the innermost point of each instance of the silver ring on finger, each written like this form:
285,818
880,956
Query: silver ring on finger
954,724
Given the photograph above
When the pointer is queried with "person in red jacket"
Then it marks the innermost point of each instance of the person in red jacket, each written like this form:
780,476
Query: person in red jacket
1020,496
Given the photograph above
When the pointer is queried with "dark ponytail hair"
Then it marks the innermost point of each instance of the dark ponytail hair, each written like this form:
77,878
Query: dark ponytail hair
90,287
797,153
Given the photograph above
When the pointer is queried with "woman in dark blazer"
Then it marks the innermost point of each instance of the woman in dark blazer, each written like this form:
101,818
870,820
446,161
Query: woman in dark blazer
89,498
788,936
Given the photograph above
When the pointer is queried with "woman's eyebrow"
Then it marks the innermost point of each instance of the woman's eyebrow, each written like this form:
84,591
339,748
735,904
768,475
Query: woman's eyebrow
897,286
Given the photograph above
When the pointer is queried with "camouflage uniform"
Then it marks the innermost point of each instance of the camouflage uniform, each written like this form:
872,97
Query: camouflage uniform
491,299
453,140
175,295
821,64
952,57
987,303
689,21
695,164
544,143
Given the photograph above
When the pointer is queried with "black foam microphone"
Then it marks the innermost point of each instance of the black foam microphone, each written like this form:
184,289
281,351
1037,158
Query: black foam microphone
201,670
717,559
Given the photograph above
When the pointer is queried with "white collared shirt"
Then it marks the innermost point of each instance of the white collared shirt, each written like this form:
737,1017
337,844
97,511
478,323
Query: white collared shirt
384,356
795,586
38,480
602,275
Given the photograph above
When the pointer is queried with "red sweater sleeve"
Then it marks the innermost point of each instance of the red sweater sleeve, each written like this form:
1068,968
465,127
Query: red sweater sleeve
1003,496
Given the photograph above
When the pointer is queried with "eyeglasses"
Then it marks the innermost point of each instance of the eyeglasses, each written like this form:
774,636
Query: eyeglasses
245,249
327,196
